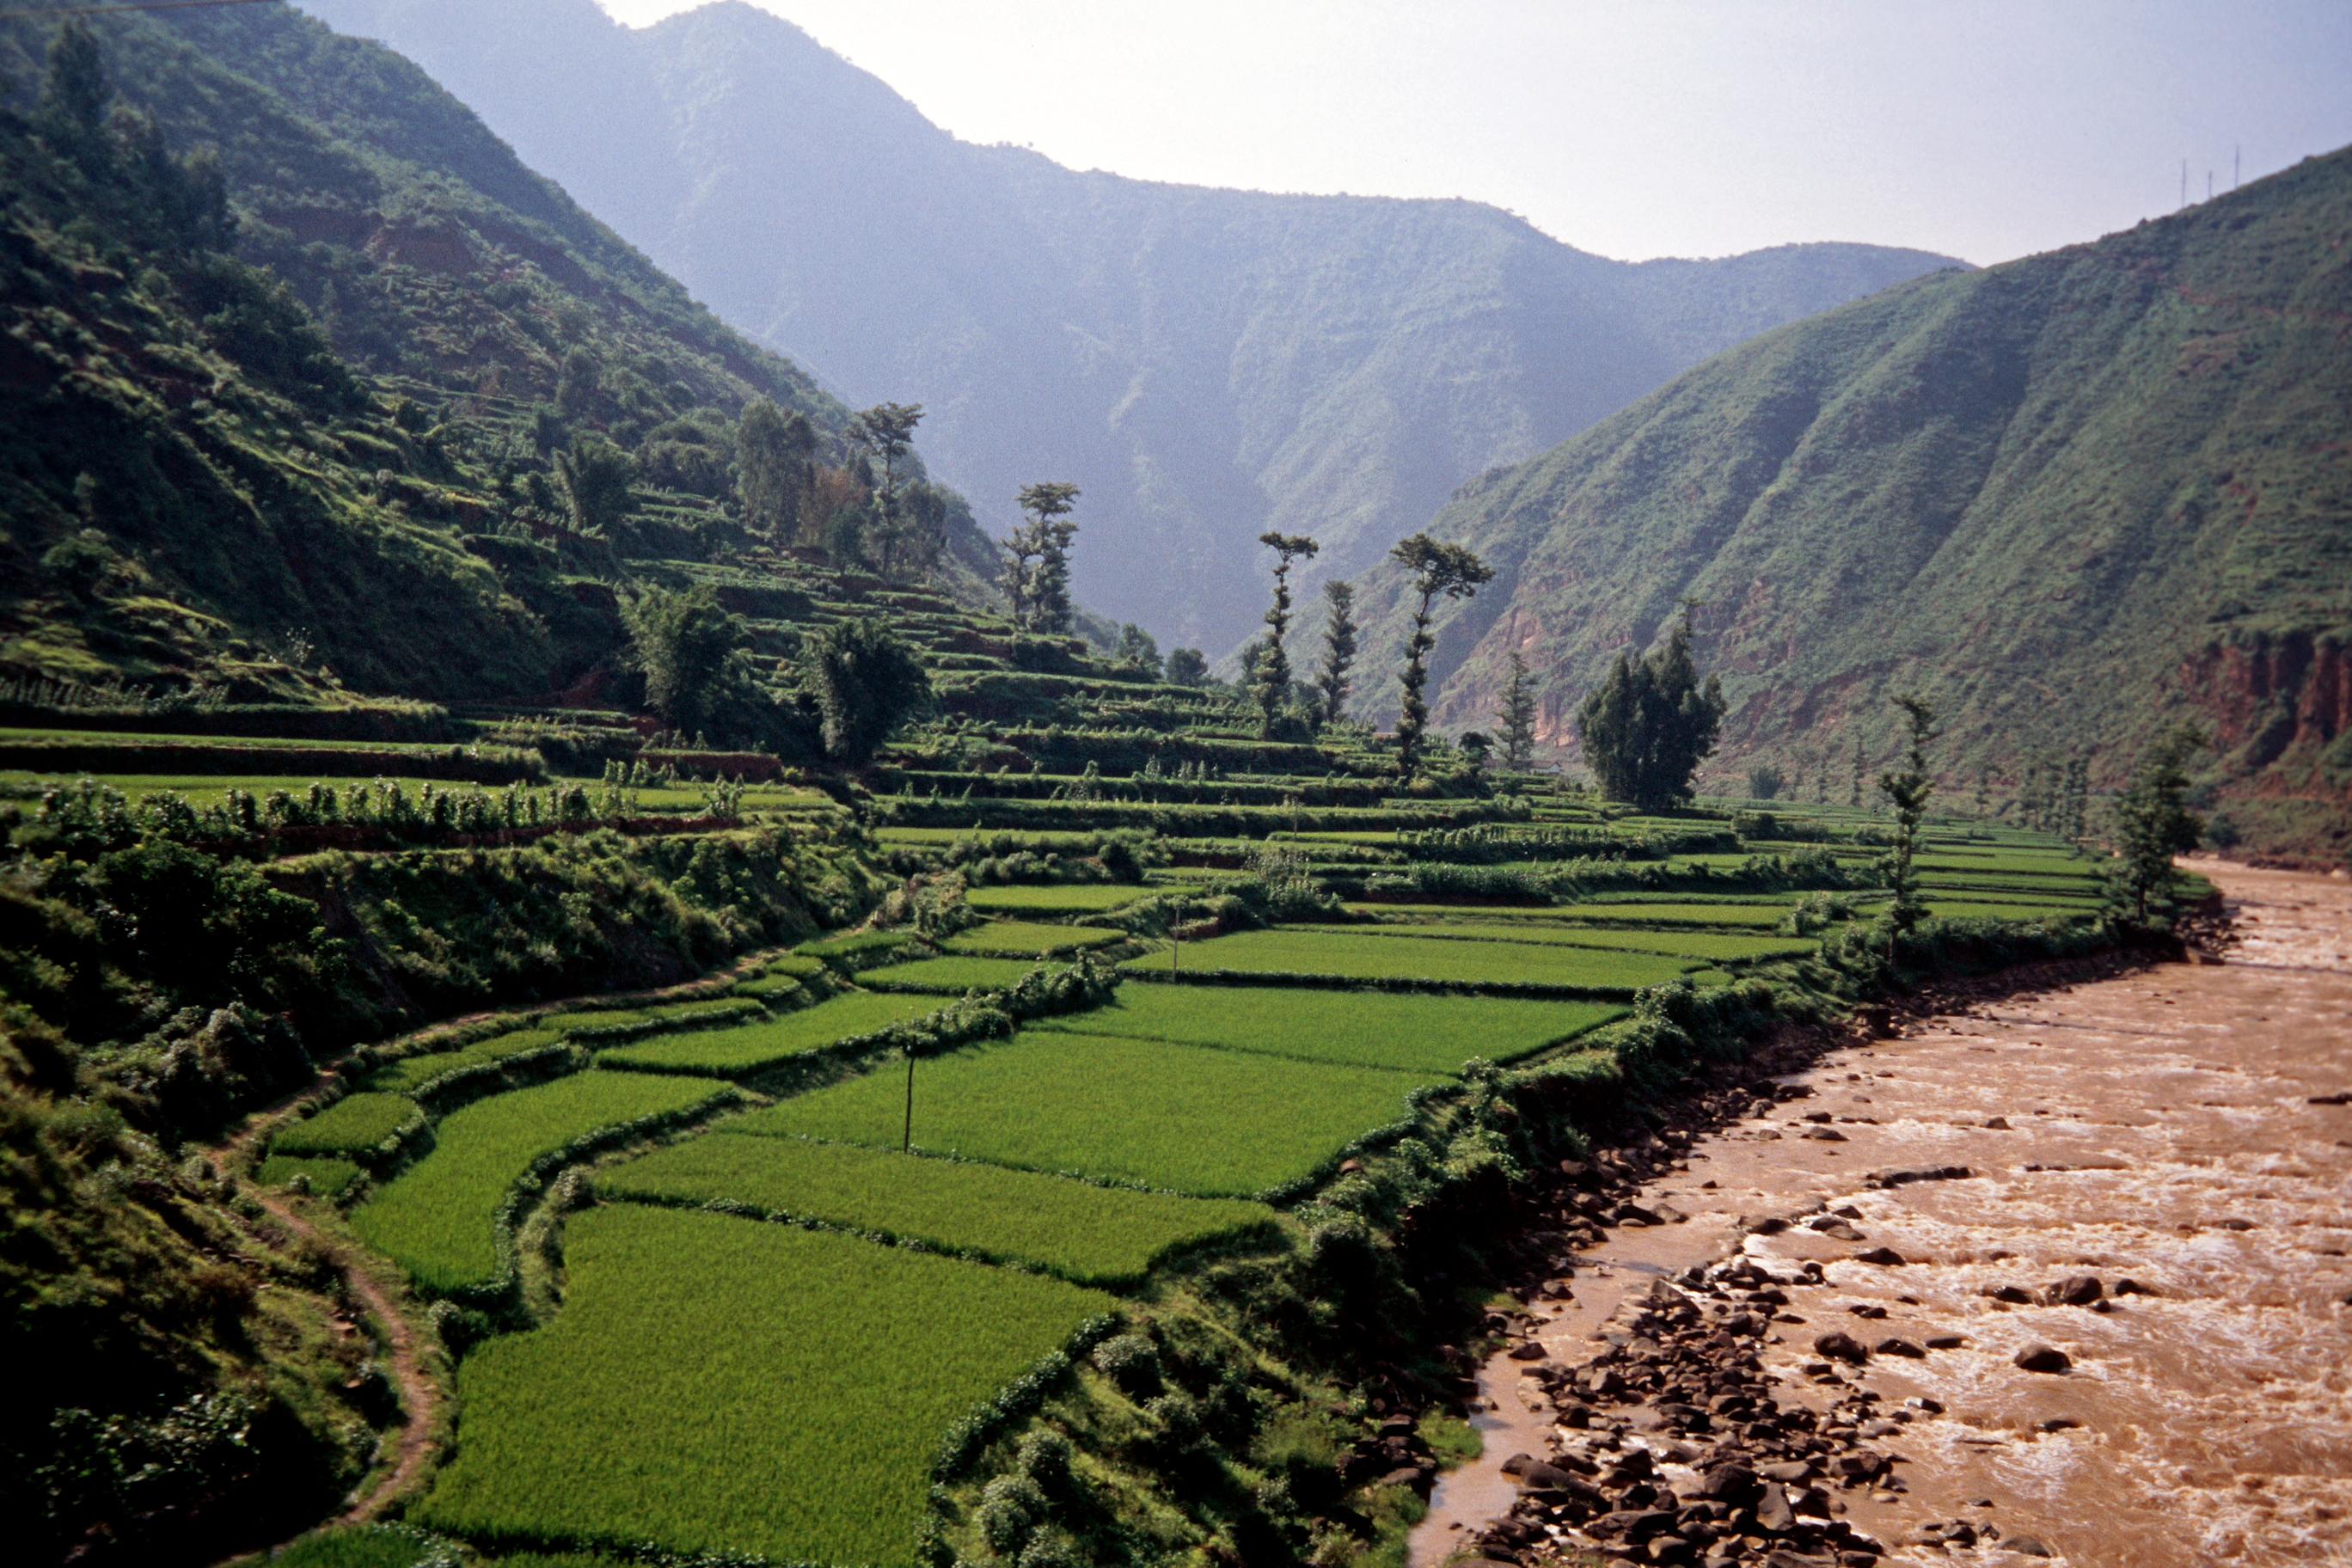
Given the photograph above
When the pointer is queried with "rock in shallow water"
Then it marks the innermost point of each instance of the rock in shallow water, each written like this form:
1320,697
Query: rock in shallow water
2042,1358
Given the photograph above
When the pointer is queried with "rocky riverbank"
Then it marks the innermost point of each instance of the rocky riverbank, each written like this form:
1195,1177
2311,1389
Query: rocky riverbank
2053,1274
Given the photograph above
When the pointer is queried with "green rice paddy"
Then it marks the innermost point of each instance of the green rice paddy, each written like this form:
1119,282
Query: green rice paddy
438,1219
1399,1031
1014,938
750,1047
1086,1233
714,1385
1349,954
1214,1124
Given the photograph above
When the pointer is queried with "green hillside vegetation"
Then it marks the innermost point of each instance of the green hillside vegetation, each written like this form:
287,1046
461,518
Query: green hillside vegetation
406,414
2070,499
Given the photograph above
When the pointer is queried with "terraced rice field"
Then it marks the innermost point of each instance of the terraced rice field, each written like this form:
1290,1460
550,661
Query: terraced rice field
1064,898
953,976
1348,955
410,1073
682,1399
1090,1235
1214,1124
750,1048
1718,947
438,1219
1403,1032
355,1124
1015,938
1762,917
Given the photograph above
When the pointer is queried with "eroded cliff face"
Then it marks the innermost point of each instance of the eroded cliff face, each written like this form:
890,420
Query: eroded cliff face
2277,699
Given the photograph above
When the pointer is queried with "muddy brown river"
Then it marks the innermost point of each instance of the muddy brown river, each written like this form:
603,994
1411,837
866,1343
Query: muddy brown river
2184,1128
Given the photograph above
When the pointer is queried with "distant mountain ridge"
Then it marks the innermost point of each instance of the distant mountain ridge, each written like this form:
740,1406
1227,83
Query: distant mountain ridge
1205,363
2071,499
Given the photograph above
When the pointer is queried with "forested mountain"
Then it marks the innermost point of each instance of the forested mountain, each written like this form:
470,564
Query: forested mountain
1205,365
297,354
2070,498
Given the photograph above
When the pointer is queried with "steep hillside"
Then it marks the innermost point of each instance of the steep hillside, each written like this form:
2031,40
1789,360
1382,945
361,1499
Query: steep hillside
350,342
1205,365
2070,498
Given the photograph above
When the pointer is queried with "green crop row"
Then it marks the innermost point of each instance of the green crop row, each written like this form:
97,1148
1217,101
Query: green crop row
356,1125
949,976
1024,938
443,1218
718,1385
1765,916
1405,1033
1056,898
1090,1235
634,1022
1214,1123
854,945
1347,955
752,1048
1714,946
421,1074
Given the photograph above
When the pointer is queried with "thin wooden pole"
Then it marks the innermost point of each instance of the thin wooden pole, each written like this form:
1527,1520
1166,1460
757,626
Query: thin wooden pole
907,1144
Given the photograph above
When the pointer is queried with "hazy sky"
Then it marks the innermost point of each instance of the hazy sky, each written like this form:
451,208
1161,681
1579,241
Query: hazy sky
1982,129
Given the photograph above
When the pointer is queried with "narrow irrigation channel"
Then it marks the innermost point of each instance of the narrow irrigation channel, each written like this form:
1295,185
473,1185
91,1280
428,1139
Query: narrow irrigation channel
2060,1276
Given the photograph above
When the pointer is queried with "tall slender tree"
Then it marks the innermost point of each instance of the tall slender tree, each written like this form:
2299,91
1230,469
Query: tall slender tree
1516,716
1439,570
1908,790
1049,531
1331,678
1270,681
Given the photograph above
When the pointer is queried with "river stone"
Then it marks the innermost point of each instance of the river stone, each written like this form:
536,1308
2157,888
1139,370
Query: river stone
1530,1351
1841,1347
1892,1346
1794,1472
1946,1341
1518,1463
2077,1291
1885,1257
2027,1546
1837,1230
1731,1483
2016,1295
1773,1514
2042,1358
2130,1286
1998,1124
1823,1134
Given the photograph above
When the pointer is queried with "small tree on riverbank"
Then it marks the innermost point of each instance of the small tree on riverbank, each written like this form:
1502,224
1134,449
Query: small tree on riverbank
2152,820
1908,790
